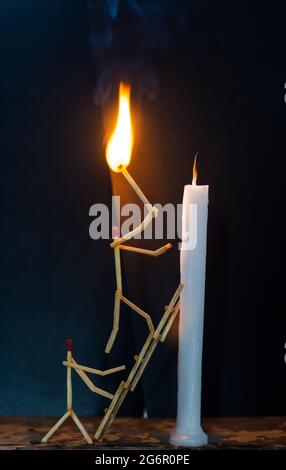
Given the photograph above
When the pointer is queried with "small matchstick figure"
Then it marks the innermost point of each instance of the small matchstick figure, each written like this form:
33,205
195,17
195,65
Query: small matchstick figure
70,364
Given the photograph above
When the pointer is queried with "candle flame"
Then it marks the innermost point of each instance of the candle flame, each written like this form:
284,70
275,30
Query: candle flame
195,171
119,146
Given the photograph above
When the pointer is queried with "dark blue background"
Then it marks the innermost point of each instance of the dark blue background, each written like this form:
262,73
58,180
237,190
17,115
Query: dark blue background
221,92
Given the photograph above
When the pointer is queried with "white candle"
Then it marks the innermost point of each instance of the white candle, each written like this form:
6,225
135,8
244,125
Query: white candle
188,430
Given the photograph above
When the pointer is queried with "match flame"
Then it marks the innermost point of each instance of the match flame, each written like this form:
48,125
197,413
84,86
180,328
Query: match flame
195,171
120,144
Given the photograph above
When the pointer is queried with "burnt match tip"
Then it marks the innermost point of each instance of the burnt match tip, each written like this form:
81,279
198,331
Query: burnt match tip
69,344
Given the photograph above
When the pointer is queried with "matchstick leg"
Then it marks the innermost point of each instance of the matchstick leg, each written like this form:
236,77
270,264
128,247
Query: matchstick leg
140,312
115,327
81,427
56,426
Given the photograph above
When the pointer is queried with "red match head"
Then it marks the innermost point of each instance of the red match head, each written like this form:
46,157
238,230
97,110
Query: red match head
69,344
115,232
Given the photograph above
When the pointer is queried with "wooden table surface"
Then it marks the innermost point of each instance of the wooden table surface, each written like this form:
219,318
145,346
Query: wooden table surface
132,433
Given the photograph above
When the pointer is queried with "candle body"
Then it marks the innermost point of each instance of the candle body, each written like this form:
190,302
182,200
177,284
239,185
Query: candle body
188,431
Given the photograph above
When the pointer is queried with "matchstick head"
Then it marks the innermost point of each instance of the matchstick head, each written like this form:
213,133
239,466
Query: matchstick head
69,344
115,232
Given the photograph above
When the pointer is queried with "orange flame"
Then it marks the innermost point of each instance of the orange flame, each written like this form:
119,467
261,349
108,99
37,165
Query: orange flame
195,171
120,144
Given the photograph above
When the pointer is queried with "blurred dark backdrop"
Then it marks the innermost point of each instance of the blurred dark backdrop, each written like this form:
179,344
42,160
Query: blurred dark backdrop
217,86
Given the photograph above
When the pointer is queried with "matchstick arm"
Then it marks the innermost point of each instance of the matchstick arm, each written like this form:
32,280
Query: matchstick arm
93,388
90,370
143,251
148,219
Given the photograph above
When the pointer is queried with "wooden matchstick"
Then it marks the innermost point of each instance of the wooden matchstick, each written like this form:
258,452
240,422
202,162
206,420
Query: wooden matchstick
105,418
141,227
94,371
69,345
56,426
143,364
90,384
111,411
112,415
135,186
170,322
154,253
118,269
116,313
139,360
168,311
140,312
81,427
115,328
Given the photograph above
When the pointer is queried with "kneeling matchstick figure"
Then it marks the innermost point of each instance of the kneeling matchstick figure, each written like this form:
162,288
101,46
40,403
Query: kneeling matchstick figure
70,364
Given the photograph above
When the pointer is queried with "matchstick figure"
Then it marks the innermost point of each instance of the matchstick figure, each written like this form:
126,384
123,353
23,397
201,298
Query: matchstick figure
71,364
